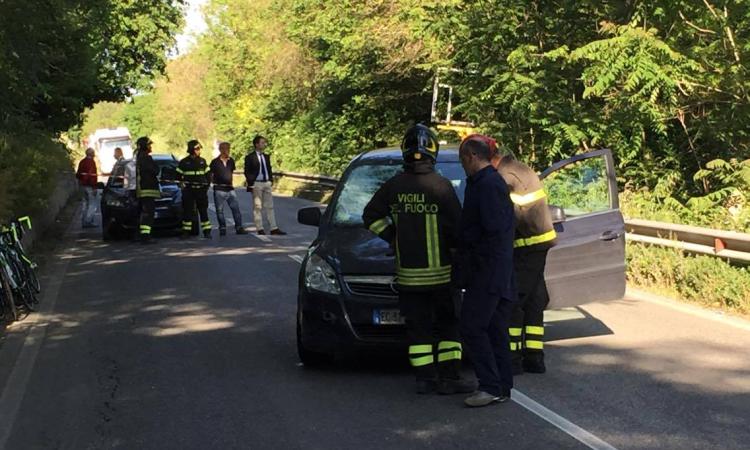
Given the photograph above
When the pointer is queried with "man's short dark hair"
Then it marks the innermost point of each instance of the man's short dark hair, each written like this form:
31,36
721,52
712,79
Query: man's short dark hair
479,148
508,157
257,139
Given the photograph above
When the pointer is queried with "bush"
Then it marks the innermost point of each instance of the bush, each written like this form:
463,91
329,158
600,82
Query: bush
704,280
30,166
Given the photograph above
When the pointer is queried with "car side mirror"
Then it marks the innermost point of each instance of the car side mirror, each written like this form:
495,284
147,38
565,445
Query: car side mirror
309,216
557,213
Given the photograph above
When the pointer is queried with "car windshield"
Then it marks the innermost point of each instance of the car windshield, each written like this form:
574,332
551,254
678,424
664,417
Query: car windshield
362,182
167,171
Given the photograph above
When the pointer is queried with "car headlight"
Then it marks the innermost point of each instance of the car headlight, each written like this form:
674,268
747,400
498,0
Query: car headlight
115,202
320,276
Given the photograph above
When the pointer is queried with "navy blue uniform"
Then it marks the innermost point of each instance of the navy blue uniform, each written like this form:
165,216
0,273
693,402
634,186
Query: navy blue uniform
487,232
418,211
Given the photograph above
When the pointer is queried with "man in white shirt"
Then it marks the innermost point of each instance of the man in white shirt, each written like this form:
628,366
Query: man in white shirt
259,178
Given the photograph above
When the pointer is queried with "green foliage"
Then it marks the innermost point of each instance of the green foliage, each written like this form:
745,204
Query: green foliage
705,280
323,86
725,206
663,84
59,57
30,166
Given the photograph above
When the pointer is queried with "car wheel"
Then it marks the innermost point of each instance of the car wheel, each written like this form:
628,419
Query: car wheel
308,357
107,229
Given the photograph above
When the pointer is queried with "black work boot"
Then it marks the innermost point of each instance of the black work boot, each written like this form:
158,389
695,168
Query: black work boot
516,363
449,386
240,230
533,362
207,234
425,385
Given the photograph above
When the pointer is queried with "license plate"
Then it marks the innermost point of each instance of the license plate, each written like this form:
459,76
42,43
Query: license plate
387,317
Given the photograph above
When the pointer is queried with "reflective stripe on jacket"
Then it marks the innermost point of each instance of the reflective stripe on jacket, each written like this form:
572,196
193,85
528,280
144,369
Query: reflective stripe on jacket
194,173
418,212
533,218
146,175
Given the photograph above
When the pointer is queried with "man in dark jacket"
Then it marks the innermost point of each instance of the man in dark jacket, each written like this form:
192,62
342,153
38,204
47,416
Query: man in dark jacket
194,174
147,186
487,255
222,172
259,179
418,211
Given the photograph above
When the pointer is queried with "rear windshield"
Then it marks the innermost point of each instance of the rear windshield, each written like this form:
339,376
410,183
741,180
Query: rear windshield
362,182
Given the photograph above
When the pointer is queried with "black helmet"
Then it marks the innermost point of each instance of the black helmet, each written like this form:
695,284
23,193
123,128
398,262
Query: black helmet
141,145
419,141
191,145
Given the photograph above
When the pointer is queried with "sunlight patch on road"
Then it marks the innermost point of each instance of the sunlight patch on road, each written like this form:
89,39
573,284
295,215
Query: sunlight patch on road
194,323
558,315
427,434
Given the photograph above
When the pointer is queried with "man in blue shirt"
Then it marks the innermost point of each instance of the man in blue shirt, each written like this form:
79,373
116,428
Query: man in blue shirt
487,230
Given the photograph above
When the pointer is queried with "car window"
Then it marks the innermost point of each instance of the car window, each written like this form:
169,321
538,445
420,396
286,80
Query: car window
117,177
362,182
580,188
167,171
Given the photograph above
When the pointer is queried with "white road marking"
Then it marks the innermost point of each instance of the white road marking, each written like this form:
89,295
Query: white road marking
547,414
688,309
560,422
15,389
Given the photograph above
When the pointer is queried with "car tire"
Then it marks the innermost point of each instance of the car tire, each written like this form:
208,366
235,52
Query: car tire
107,229
308,357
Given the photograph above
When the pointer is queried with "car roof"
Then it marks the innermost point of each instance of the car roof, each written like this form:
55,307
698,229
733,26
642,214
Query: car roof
449,153
163,156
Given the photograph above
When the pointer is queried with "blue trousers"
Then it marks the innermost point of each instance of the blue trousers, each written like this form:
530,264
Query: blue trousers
484,330
230,197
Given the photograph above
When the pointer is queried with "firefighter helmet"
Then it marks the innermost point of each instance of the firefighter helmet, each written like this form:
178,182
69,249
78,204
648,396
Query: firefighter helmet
419,142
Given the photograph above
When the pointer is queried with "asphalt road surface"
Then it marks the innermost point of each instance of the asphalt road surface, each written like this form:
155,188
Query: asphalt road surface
192,345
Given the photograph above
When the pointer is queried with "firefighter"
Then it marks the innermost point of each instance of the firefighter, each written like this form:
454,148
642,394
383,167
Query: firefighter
418,213
195,176
534,236
147,186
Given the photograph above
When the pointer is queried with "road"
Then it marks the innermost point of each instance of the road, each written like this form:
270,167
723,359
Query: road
192,345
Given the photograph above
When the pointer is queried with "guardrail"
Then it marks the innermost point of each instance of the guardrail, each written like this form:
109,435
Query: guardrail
729,245
706,241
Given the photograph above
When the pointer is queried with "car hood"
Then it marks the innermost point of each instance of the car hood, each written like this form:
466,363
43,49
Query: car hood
357,251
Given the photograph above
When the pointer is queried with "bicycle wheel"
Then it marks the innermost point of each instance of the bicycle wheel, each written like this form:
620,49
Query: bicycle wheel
25,294
32,278
7,305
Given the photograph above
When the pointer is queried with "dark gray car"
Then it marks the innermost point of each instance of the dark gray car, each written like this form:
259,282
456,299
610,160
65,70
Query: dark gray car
347,298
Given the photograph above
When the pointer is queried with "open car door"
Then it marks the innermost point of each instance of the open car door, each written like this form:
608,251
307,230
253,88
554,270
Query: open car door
588,262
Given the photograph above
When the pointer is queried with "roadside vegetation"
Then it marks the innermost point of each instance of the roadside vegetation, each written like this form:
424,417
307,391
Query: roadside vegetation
664,84
56,59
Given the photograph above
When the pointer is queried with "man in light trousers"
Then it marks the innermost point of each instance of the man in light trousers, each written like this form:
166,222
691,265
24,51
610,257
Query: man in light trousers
87,179
259,178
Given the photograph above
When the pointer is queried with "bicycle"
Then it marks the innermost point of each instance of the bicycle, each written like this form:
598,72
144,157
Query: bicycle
18,268
8,309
